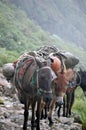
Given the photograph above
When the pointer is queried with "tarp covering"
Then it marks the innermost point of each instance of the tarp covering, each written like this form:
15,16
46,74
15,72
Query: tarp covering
71,61
8,70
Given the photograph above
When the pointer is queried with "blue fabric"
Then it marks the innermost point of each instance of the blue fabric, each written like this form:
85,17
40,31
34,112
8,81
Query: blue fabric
71,84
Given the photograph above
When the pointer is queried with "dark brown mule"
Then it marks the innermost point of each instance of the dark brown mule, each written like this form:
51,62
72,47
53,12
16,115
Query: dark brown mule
69,97
32,83
45,81
59,90
80,80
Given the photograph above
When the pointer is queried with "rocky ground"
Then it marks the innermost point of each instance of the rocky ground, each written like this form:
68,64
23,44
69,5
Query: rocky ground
11,112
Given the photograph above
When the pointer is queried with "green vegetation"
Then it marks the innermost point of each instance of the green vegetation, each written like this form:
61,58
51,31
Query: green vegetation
66,18
1,101
19,34
80,106
7,56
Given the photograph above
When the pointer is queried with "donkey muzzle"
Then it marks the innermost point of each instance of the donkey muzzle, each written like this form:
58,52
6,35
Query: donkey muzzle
59,101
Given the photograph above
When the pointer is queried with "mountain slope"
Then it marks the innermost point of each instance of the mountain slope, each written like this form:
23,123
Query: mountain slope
17,31
19,34
65,18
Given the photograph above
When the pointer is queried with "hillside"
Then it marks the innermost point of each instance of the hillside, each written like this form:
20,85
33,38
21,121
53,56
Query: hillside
65,18
19,34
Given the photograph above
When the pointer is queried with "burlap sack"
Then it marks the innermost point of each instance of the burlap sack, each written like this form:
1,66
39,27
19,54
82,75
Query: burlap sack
8,70
71,61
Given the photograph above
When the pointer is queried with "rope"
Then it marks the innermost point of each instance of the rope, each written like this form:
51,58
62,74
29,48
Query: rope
44,91
38,90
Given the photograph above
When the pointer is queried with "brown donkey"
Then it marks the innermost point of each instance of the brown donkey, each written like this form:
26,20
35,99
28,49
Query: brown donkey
59,90
32,80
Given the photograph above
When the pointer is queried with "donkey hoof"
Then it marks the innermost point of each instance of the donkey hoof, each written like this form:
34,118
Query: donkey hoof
51,124
24,128
50,121
34,124
45,116
64,115
33,128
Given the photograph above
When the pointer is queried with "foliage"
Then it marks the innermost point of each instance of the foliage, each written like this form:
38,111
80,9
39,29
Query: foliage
66,18
1,101
19,34
80,106
7,56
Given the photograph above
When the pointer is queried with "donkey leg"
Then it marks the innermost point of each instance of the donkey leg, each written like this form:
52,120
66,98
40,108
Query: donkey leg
64,106
46,109
38,113
68,103
25,116
51,110
42,115
72,101
58,112
33,115
42,108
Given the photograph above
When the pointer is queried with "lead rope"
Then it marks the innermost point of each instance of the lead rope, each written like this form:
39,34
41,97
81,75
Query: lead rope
38,90
62,64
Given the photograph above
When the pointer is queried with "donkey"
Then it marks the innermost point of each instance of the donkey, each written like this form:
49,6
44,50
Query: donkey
80,80
59,91
58,84
69,98
32,81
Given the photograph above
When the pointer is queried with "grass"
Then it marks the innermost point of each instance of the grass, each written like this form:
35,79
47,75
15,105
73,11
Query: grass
80,106
1,101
